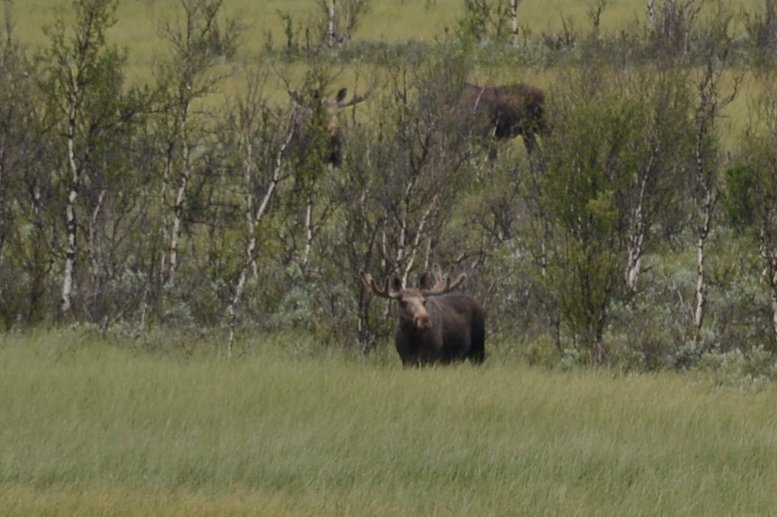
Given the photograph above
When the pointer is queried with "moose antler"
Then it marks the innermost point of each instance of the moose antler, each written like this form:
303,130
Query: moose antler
386,292
444,288
356,99
441,285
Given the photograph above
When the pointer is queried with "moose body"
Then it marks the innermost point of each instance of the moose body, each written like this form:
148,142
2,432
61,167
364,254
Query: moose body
458,332
504,111
435,325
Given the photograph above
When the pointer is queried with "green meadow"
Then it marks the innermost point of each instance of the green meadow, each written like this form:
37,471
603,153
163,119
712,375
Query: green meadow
139,21
98,426
387,20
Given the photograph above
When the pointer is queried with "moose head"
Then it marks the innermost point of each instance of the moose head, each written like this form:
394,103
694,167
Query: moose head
436,323
331,106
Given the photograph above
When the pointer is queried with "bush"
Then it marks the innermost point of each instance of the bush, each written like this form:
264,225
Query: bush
739,368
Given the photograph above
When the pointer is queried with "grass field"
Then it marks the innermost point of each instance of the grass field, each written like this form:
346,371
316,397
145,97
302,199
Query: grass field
139,22
387,20
91,428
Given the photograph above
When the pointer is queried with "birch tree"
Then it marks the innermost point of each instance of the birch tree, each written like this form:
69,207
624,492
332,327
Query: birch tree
10,97
341,18
514,36
252,136
590,163
420,160
751,189
21,162
487,20
671,23
401,184
711,99
198,42
658,182
651,14
83,83
314,155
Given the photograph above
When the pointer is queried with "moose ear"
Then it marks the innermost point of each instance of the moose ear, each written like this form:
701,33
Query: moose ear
395,283
341,95
427,280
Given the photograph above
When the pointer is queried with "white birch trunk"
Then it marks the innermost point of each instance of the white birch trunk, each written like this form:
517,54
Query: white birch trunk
253,216
70,219
180,199
635,262
175,233
701,285
164,211
651,10
705,179
401,241
308,234
232,309
70,253
428,254
670,14
636,241
514,22
417,239
94,249
543,222
384,265
332,25
248,174
384,249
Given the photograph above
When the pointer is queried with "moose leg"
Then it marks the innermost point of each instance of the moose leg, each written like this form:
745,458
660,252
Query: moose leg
477,351
530,141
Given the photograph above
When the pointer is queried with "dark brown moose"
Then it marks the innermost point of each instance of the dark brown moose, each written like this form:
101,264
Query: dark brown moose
332,107
504,111
436,323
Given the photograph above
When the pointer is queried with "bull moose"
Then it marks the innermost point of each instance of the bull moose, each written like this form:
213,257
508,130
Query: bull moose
332,106
436,323
504,111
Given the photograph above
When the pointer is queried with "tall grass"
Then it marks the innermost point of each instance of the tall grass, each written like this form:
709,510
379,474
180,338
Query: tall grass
89,427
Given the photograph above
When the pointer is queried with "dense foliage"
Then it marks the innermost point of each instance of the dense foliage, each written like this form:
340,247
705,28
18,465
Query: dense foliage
631,235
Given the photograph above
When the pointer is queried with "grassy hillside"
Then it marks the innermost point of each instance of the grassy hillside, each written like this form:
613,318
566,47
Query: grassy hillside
388,20
89,428
140,21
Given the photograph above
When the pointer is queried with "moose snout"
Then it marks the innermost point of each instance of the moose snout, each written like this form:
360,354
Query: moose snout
422,322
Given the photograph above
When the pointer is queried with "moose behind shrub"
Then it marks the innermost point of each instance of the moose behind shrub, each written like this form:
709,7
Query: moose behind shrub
504,111
331,106
436,324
